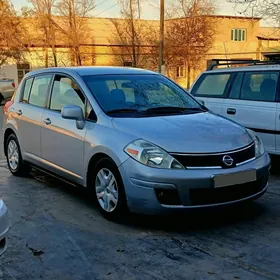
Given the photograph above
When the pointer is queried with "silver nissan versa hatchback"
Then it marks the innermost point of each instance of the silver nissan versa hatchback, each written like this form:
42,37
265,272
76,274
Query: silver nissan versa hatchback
134,138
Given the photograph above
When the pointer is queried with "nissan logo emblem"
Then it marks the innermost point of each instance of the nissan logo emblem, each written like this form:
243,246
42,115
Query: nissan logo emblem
227,160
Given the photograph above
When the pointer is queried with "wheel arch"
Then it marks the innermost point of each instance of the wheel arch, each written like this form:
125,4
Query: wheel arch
93,161
7,133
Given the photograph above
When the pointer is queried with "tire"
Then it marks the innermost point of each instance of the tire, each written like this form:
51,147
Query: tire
16,164
1,98
113,201
275,160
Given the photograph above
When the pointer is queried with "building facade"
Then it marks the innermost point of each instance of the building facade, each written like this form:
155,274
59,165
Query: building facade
235,38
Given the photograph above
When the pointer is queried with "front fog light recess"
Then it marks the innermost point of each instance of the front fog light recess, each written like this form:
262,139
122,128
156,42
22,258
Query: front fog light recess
151,155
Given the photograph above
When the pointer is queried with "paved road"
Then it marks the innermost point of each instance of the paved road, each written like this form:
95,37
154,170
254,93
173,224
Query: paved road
57,233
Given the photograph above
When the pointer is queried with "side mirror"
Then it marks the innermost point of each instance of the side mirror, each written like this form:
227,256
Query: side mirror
73,112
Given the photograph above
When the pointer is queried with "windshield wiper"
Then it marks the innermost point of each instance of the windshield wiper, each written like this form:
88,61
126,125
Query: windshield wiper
171,109
122,110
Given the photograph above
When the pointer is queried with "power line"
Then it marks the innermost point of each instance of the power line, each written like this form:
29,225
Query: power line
106,10
101,3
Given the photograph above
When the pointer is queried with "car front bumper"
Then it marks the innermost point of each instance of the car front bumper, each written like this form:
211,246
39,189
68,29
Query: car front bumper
158,191
4,226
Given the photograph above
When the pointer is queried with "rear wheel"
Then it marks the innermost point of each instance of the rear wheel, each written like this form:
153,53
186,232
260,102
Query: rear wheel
14,159
108,188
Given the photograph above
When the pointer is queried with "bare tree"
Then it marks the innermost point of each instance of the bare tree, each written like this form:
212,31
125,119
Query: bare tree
42,11
189,34
137,38
73,24
11,33
269,10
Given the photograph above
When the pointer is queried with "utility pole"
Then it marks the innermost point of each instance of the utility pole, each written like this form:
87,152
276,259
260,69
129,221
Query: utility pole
161,37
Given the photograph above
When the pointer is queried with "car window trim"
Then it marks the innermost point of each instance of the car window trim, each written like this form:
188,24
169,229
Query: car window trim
199,82
48,90
236,74
261,71
89,120
277,96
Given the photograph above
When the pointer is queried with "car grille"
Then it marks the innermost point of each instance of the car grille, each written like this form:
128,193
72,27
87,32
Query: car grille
226,194
216,160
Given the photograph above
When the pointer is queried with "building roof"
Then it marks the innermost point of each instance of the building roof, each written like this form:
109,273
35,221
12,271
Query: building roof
101,31
98,31
226,16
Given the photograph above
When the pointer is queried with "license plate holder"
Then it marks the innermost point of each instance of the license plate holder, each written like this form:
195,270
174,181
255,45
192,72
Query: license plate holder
236,178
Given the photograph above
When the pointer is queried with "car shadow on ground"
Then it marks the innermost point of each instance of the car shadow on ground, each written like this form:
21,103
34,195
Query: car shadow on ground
195,220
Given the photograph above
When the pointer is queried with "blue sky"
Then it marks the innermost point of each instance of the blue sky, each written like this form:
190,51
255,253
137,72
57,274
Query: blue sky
109,8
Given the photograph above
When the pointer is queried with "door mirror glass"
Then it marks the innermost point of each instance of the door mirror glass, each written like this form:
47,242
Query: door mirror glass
73,112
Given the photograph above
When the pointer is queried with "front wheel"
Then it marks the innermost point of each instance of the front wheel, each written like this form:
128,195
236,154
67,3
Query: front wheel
14,159
108,188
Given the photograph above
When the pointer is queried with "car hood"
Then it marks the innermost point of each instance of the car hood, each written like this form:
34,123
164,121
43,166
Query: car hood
191,133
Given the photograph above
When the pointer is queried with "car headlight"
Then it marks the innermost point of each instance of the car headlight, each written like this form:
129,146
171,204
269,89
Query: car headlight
151,155
259,148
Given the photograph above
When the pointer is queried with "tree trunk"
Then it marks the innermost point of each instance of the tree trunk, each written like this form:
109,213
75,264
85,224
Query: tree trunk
188,75
78,56
133,35
46,57
139,9
54,56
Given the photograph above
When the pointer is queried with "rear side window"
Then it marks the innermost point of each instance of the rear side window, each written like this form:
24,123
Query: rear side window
26,91
212,85
258,86
39,90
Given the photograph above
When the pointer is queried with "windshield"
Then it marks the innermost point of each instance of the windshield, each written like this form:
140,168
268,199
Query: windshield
140,94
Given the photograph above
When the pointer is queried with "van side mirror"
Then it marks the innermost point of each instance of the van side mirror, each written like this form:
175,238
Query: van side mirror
73,112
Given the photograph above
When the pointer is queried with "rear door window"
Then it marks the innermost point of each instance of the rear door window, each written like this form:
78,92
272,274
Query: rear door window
39,91
259,86
212,85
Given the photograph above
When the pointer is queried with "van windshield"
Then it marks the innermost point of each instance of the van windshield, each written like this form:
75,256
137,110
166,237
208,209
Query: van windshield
140,95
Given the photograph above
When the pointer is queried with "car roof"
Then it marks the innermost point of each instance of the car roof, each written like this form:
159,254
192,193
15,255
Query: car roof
93,70
245,68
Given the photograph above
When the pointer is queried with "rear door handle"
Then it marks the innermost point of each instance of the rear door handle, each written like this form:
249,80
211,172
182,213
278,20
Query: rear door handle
19,112
231,111
47,121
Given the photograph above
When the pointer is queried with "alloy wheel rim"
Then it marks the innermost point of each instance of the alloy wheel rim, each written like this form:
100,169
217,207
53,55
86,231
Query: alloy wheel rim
13,155
106,189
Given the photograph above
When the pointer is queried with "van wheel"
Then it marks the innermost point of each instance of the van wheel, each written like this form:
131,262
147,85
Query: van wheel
14,159
108,190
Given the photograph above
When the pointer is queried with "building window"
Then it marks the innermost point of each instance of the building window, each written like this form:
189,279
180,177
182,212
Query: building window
180,71
238,35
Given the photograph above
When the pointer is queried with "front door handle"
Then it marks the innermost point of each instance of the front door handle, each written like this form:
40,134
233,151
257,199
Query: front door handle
19,112
47,121
231,111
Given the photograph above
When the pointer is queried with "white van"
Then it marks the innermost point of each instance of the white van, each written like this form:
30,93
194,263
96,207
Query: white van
248,95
